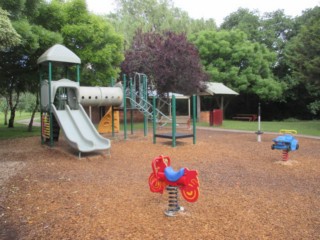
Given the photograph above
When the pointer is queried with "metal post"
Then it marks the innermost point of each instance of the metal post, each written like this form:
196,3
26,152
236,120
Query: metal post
112,120
173,120
154,118
112,112
41,112
131,110
124,106
194,127
50,110
259,133
145,99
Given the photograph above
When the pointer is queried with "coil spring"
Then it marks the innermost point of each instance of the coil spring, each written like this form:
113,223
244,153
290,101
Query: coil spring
173,198
285,155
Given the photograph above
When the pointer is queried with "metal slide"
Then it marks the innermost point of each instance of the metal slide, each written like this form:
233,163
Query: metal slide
79,130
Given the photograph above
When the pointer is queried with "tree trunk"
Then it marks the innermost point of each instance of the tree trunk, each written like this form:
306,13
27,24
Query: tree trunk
13,108
33,113
12,116
6,109
6,115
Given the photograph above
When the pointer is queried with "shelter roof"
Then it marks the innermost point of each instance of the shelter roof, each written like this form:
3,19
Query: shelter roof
177,95
215,88
59,53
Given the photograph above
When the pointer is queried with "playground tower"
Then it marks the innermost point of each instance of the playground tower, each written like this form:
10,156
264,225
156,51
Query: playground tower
61,102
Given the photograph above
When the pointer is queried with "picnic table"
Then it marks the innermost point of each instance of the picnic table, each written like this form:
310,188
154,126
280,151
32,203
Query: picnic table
249,117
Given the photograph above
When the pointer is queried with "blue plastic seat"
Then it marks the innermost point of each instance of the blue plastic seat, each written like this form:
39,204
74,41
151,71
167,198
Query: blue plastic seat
173,175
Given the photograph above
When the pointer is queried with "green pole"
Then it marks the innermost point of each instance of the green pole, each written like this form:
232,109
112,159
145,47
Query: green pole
112,111
173,120
194,118
50,110
78,74
145,115
124,106
112,121
131,110
154,118
41,112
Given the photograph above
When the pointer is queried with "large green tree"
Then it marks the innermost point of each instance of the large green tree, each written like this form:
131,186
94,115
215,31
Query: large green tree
41,24
154,16
303,57
245,20
8,35
18,63
229,57
91,37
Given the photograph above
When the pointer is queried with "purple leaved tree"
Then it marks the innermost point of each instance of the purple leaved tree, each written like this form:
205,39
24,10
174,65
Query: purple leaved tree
168,59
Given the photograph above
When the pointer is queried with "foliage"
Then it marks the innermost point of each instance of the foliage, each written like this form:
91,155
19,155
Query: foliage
100,49
18,64
42,24
244,20
27,102
302,53
8,35
229,57
169,60
154,16
89,36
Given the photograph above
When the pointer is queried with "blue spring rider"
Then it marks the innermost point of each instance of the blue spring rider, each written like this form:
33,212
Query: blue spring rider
286,143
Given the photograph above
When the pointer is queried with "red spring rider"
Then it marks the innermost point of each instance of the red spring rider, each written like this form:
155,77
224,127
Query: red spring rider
163,176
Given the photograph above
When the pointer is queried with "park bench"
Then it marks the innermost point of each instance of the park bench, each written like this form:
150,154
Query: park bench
249,117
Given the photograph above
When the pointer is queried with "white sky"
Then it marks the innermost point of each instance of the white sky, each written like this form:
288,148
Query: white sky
218,10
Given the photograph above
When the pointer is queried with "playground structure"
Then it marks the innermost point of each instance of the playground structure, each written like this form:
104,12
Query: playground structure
138,94
61,103
174,134
286,143
163,177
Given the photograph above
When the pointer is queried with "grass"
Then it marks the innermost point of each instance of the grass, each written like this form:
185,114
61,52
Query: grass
19,130
302,127
311,128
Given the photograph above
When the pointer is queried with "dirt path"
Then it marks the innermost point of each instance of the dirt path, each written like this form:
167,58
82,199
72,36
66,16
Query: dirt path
246,192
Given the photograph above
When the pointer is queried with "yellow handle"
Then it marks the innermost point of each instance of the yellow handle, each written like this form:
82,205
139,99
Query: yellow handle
288,131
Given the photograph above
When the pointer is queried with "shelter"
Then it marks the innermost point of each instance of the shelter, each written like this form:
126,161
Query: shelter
217,90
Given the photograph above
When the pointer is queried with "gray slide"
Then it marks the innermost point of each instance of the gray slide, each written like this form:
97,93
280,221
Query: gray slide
79,130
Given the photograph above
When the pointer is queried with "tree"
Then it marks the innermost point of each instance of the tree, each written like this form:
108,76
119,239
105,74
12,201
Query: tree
18,63
229,57
303,57
154,16
8,35
169,60
91,37
245,20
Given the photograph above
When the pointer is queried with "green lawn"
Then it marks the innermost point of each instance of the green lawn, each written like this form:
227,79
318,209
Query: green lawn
302,127
19,130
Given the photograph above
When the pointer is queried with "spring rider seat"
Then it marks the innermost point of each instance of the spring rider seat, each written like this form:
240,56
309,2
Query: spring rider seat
286,143
164,176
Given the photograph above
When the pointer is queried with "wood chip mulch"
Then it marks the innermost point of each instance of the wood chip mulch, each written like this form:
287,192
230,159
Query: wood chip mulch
246,191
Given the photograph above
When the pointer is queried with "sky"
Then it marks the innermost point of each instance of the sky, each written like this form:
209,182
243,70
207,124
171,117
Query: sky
218,10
